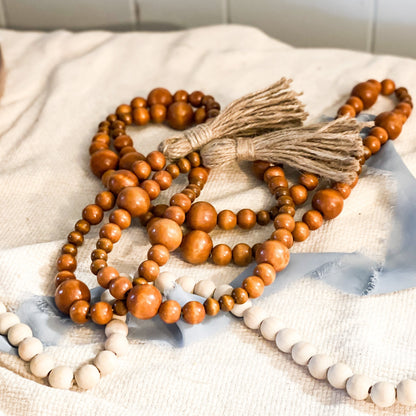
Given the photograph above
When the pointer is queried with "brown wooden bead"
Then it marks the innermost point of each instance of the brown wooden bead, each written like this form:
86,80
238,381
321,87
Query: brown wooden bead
66,262
373,143
207,99
313,219
263,217
127,118
346,110
309,181
246,219
299,194
259,168
284,221
151,222
275,253
135,200
387,87
194,159
122,179
227,220
111,231
121,217
266,272
242,254
143,301
170,311
195,98
180,95
200,115
122,141
151,187
380,133
328,202
400,92
240,295
287,209
79,311
62,276
391,122
254,286
343,188
163,178
101,138
76,238
195,189
123,109
145,218
93,214
103,160
367,154
221,254
173,169
141,169
82,227
189,193
165,232
97,265
284,236
272,172
127,149
156,160
106,176
117,132
69,249
212,113
68,292
181,200
179,115
176,214
198,173
126,162
404,108
111,118
149,269
284,200
158,113
211,306
159,209
184,165
159,254
202,216
301,231
226,303
101,313
193,312
159,96
105,244
196,247
120,308
96,146
281,191
138,102
106,275
119,287
366,92
255,248
277,183
141,116
99,254
356,103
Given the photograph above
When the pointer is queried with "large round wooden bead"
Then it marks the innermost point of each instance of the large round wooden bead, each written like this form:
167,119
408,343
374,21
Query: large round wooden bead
135,200
193,312
103,160
275,253
68,292
170,311
179,115
366,92
328,202
101,313
387,87
391,122
165,232
196,247
159,96
121,179
143,301
202,216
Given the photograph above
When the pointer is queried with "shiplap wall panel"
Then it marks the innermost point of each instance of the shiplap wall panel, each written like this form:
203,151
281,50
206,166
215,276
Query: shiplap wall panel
319,23
395,31
70,14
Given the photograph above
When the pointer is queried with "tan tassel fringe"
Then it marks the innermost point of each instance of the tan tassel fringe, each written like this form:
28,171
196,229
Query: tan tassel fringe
330,150
275,107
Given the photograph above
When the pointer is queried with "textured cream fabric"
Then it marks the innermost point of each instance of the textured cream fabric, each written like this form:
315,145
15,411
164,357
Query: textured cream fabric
60,86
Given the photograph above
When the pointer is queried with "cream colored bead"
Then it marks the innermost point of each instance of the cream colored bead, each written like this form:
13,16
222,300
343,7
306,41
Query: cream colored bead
3,308
383,394
41,364
358,386
204,288
318,365
222,290
117,343
254,316
406,392
29,347
116,327
17,333
186,283
122,318
87,376
338,374
106,362
239,309
165,282
106,296
302,352
270,327
286,338
61,377
7,320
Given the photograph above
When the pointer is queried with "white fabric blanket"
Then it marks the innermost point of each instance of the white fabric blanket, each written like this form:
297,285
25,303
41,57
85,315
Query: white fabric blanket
60,85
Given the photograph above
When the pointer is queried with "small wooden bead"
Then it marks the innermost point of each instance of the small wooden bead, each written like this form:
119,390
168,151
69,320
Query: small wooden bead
156,160
286,338
62,276
79,311
105,275
101,313
61,377
193,312
239,309
93,214
246,219
309,181
301,231
319,364
302,352
222,290
159,254
29,347
184,165
66,262
347,110
105,200
197,174
158,113
117,343
373,143
200,115
141,116
97,265
274,253
17,333
119,308
181,200
103,160
284,236
69,249
179,115
7,320
173,169
403,108
135,200
356,103
196,247
195,98
383,394
165,232
221,254
239,295
272,172
259,167
151,187
194,159
87,376
138,102
266,272
226,303
270,327
41,364
141,169
121,217
277,182
212,307
299,194
338,374
187,283
284,221
111,231
313,219
204,288
406,392
242,254
263,217
387,87
116,327
119,287
170,311
165,282
106,362
163,178
380,133
343,188
149,270
254,286
284,201
227,220
358,386
202,216
254,316
329,202
82,227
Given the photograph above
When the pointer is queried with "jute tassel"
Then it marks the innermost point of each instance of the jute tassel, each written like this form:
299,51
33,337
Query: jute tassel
330,150
275,107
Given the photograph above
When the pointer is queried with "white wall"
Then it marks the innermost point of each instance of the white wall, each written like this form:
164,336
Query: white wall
381,26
